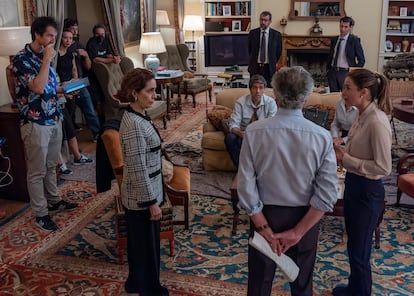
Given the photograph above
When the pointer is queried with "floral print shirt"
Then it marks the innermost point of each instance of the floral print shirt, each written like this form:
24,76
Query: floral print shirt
40,108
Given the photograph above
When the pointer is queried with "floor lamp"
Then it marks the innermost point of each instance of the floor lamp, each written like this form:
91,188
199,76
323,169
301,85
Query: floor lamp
195,23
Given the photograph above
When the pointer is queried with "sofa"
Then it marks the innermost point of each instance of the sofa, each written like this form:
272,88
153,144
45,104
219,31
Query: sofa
214,152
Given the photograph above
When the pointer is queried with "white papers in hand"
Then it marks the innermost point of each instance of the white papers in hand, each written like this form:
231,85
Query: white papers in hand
286,264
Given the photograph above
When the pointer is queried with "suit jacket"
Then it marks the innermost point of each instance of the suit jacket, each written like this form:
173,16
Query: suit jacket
353,51
274,49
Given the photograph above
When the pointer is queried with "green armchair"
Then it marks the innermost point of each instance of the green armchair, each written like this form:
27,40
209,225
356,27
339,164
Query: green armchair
175,58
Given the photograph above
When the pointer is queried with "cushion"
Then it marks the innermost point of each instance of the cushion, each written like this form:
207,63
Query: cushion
217,114
331,113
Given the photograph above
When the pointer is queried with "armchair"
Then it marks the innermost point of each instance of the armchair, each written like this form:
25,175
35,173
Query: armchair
177,189
110,77
405,180
175,58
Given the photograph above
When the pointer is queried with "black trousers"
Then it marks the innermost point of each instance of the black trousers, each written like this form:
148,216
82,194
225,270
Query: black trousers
143,254
336,79
262,270
263,69
363,205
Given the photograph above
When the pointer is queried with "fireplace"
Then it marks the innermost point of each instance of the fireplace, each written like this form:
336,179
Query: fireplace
310,52
313,60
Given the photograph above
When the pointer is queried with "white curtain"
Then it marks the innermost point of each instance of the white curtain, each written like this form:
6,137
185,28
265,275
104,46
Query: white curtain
112,10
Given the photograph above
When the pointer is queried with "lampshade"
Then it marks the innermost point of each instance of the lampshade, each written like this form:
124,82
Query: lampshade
13,39
150,44
162,18
193,23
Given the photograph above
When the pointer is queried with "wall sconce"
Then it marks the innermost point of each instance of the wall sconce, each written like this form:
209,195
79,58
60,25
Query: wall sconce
152,43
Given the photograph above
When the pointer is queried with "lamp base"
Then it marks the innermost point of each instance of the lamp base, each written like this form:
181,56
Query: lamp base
152,63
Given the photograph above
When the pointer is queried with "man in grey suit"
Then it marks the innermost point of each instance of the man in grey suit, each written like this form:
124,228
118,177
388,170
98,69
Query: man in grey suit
345,51
265,48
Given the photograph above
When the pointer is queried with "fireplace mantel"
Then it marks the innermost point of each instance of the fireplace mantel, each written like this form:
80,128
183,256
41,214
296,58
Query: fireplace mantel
304,42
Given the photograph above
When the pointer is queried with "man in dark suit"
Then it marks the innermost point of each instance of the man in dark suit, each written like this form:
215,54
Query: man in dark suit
264,52
346,51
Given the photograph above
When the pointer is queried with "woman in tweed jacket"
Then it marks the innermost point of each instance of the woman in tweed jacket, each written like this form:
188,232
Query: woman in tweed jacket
142,187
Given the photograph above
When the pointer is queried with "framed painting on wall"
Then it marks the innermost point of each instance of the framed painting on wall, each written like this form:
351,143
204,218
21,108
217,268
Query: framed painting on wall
9,13
131,20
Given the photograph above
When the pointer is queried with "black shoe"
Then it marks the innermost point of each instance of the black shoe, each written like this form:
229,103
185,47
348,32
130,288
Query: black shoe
340,291
46,224
62,206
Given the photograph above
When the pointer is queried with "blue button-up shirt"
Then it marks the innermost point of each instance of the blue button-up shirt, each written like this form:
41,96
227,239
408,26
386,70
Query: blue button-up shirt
288,161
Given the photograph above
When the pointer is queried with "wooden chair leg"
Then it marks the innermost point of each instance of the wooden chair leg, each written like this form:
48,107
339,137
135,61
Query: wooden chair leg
170,236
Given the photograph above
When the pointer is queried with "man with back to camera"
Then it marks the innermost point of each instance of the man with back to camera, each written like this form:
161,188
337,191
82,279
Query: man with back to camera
41,120
345,51
286,182
265,48
247,109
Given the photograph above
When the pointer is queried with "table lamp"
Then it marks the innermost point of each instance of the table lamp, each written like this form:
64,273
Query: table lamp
161,19
150,44
13,39
193,23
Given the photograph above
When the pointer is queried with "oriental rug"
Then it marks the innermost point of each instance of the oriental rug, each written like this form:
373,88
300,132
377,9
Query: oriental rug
81,258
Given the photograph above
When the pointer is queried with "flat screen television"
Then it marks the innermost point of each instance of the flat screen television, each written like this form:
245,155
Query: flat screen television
226,50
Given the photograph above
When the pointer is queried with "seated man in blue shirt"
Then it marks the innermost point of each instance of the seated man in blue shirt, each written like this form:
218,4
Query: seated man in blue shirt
248,108
286,182
342,122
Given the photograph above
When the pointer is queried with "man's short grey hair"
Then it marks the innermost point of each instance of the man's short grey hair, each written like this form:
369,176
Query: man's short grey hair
292,86
257,79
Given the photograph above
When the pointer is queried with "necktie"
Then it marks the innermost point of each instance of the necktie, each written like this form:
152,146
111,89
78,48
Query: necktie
254,115
338,46
263,47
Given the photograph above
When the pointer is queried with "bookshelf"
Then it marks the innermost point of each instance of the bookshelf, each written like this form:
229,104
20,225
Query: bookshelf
192,56
397,26
227,17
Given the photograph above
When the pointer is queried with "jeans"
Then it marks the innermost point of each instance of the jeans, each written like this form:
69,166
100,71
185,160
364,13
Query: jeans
233,144
84,102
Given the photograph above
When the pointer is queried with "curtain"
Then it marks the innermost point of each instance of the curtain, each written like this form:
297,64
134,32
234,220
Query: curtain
112,16
178,21
54,9
149,15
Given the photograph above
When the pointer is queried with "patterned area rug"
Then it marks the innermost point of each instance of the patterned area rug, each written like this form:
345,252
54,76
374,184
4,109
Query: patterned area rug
208,259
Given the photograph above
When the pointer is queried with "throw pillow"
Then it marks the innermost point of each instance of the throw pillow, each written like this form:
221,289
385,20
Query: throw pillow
167,170
217,114
330,110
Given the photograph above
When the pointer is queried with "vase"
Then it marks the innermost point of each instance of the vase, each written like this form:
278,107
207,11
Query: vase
152,63
405,44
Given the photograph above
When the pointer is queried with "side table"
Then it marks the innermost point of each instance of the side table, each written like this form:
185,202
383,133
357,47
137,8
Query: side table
175,78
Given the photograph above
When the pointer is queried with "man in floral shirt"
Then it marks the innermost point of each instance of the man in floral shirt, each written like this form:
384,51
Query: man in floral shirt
41,120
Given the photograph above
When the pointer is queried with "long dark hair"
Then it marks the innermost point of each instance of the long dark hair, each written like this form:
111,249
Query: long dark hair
377,85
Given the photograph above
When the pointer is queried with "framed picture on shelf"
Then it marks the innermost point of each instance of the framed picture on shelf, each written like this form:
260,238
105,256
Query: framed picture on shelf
403,11
236,26
397,47
226,10
389,46
405,28
412,47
